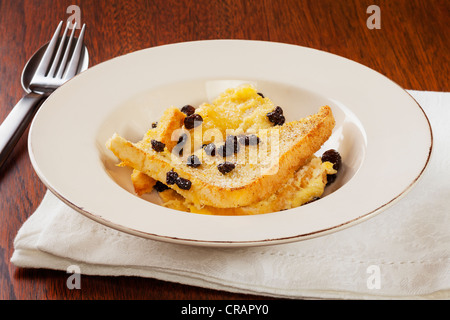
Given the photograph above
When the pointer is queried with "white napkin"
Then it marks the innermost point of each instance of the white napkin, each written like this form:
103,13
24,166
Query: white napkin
404,252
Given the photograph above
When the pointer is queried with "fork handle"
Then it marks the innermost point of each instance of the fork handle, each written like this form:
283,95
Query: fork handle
16,123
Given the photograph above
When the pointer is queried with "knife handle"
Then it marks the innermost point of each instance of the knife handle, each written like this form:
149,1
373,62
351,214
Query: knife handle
16,123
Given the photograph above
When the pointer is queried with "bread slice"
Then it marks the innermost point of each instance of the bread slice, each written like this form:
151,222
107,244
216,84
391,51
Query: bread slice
285,149
142,183
171,120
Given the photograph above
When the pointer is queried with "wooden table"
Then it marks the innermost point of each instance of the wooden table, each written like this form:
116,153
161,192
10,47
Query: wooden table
411,48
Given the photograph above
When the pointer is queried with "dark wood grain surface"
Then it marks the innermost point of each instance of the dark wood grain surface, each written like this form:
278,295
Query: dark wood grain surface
411,48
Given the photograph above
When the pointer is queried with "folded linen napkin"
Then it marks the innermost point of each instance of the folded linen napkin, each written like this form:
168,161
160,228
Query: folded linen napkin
404,252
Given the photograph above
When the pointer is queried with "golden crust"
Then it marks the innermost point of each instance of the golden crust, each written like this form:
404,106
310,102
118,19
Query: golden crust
171,120
142,183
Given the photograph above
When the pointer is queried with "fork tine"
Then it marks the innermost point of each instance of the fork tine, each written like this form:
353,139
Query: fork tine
66,53
58,53
47,57
74,61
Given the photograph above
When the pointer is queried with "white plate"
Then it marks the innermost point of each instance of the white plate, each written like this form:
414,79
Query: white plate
382,134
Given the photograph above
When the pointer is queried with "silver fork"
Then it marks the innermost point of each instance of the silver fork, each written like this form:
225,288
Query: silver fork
54,69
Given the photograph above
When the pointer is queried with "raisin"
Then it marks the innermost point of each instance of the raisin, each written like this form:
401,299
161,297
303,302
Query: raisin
276,119
260,94
331,178
171,177
157,145
188,110
232,141
223,151
193,161
251,140
182,139
192,121
334,157
278,110
160,187
184,184
210,149
154,124
179,146
226,167
276,116
229,147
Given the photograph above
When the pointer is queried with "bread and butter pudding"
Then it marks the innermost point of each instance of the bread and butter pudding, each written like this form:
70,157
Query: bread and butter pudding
234,156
